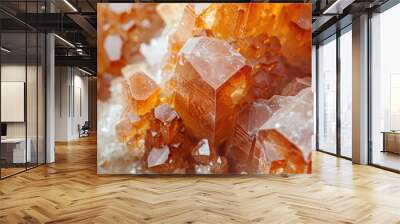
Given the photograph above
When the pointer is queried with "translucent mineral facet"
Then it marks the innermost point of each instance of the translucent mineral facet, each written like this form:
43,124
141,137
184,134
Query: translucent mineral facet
202,152
206,161
212,82
132,129
170,12
165,113
241,149
281,155
296,86
287,134
295,121
157,156
141,93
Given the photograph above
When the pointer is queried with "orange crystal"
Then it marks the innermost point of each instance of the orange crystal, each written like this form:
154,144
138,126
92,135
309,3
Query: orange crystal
167,130
141,93
121,30
281,155
206,161
164,141
211,84
285,138
132,129
181,33
296,86
277,35
241,151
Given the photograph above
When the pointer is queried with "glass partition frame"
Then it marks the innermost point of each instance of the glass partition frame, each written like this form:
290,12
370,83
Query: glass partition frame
34,68
337,150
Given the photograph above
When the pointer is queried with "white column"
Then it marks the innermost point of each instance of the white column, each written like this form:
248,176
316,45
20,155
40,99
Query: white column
50,94
360,90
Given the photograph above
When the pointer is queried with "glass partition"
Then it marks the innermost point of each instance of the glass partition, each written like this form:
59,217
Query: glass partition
14,153
31,99
41,85
22,88
346,93
327,95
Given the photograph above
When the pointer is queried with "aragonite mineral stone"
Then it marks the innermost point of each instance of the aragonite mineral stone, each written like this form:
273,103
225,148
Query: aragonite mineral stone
286,135
141,93
205,88
212,81
241,150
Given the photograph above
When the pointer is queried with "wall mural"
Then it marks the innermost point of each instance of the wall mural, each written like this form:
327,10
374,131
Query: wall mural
204,88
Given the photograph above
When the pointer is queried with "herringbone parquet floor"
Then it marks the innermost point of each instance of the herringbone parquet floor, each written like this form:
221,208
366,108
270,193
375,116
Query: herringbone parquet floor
70,191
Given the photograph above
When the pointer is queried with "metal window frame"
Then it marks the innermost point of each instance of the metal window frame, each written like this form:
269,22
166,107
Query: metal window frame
387,5
339,32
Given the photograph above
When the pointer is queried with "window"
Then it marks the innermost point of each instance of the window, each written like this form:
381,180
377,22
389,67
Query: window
385,89
346,92
327,96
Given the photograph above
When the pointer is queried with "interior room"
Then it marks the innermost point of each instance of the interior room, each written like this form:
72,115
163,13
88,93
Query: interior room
22,102
107,108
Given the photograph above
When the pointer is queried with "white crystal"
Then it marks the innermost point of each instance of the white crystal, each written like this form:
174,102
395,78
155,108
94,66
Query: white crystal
155,53
158,156
203,148
165,113
113,45
120,7
209,52
199,7
202,169
171,13
295,121
153,133
176,145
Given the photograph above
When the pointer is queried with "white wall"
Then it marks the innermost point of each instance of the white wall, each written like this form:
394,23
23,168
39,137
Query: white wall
70,83
61,103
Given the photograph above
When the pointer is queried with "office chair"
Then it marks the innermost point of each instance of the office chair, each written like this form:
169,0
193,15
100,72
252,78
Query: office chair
84,130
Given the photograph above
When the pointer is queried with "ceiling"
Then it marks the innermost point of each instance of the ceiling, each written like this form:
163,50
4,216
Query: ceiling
75,21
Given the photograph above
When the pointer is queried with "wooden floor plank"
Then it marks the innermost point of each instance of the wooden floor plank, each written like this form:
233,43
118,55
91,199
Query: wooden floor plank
70,191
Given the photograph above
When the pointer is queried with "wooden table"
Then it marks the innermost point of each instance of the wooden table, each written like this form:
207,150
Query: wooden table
391,141
13,150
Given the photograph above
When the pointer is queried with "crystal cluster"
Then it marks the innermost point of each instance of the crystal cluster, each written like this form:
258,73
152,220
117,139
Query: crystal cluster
206,88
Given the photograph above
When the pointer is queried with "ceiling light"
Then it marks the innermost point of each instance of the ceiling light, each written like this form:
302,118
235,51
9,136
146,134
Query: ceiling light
70,5
65,41
84,71
5,50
